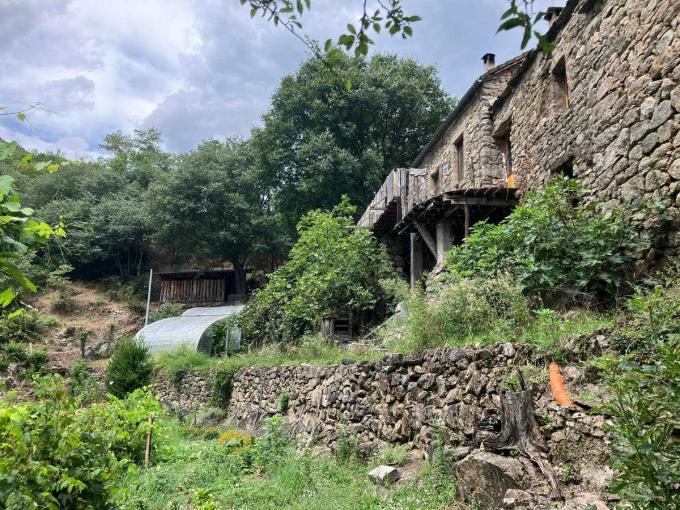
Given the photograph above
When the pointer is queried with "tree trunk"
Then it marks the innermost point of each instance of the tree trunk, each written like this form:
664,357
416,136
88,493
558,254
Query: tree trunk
240,277
519,429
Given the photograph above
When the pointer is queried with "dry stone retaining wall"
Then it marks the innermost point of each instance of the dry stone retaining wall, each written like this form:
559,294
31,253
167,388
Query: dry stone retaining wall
449,390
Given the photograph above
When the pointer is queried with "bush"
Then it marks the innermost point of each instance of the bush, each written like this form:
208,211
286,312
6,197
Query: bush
56,455
24,325
464,309
646,407
561,247
14,352
64,304
333,268
392,455
166,311
130,368
37,360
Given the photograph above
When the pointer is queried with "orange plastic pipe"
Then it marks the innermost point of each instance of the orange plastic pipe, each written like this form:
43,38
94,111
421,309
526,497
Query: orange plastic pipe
557,385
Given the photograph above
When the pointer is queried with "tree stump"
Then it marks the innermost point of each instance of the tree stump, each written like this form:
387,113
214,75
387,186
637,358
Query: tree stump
519,429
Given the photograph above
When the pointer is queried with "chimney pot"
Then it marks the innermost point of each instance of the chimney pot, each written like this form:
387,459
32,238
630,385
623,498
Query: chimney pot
551,14
489,60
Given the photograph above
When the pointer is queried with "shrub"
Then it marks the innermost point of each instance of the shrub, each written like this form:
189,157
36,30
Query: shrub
235,441
14,352
223,373
348,445
333,268
64,304
653,316
24,325
464,309
393,455
560,246
282,402
37,360
166,311
56,455
129,368
271,445
646,406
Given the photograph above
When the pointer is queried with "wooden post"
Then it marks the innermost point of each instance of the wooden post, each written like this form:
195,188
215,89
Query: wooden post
147,453
444,238
467,219
416,259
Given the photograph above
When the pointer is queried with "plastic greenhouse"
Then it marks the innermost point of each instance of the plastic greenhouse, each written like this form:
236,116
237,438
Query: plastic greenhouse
194,329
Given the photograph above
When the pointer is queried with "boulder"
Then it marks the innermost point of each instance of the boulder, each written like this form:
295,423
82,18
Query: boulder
486,478
384,475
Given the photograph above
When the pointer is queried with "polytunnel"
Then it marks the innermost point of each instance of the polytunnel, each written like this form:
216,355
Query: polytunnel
194,329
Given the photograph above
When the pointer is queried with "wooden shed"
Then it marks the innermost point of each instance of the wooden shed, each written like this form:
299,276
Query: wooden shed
199,286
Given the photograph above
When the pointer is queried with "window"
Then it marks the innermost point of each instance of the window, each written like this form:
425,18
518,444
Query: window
460,159
502,138
564,167
560,87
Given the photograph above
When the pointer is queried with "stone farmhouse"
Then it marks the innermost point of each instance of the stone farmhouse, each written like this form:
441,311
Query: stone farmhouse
603,107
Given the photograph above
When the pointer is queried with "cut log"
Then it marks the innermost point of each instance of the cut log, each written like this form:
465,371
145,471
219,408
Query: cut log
519,429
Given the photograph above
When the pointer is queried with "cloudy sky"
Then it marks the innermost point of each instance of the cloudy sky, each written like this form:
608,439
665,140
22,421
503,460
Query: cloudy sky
195,69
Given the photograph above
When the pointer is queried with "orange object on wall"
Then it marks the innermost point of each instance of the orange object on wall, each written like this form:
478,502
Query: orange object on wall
557,385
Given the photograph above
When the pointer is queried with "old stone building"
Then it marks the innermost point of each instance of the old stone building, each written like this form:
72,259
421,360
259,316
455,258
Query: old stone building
603,107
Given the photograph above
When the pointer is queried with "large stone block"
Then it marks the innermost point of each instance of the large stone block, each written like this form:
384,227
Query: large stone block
486,477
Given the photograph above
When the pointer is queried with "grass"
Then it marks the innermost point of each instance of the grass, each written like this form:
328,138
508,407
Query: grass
311,350
193,472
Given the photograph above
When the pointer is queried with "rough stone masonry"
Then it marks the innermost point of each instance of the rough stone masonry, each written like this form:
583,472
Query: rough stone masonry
449,391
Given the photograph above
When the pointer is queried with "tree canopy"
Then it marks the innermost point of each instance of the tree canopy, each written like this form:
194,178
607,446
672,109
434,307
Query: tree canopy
212,206
320,140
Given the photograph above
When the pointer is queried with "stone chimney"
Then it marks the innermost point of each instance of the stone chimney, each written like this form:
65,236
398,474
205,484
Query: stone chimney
489,60
551,14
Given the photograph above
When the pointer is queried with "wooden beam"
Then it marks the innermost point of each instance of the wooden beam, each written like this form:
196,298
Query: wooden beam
467,219
489,202
427,238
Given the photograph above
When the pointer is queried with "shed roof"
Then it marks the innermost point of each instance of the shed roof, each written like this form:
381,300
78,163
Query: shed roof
187,329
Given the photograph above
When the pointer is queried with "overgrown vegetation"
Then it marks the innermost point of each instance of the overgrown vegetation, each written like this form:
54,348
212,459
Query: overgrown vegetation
562,248
266,472
646,404
58,455
334,268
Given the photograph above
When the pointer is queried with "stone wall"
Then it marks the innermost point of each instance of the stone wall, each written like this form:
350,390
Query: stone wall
483,166
449,390
620,131
190,393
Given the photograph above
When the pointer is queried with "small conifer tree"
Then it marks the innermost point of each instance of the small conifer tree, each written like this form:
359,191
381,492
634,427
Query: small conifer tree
130,368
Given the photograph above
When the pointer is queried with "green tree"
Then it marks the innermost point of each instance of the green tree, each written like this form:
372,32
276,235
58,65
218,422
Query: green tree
333,268
320,140
212,206
130,368
20,232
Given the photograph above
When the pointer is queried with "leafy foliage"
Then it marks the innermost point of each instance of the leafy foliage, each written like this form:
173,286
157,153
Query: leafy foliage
129,368
56,455
166,311
333,268
19,232
560,247
320,141
224,207
646,406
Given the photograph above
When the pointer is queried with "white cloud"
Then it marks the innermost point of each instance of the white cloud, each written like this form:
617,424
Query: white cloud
195,69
